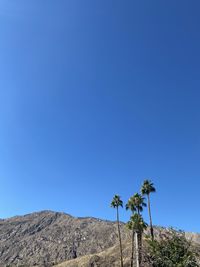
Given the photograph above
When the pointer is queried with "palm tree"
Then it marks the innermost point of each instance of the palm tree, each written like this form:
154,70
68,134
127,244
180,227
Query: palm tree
135,204
139,202
131,206
116,203
147,189
138,225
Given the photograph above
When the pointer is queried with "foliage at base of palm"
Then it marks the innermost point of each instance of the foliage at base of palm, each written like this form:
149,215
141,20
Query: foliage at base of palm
136,223
171,250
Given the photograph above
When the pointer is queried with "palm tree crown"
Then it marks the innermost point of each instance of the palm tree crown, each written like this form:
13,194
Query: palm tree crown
147,187
116,202
139,202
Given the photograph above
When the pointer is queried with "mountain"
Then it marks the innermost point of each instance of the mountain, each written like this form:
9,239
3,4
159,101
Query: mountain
49,238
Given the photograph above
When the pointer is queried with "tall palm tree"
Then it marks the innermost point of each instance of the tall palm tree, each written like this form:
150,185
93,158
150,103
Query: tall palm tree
116,203
138,225
131,206
147,189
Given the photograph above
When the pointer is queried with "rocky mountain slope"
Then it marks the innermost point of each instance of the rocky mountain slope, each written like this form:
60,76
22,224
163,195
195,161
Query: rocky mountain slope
49,238
110,257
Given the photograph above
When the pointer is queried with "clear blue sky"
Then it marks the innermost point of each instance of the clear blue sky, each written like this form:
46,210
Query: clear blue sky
95,96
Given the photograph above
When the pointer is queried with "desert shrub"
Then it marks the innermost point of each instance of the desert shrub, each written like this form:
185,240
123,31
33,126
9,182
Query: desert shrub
170,250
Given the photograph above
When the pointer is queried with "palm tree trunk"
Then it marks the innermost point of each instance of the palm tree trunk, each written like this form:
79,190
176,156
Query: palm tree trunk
120,240
132,247
137,249
140,247
139,241
150,218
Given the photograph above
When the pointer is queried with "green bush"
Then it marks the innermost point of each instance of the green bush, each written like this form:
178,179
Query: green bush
170,250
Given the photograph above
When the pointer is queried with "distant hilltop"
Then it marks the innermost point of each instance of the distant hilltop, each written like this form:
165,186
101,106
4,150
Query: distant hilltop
48,238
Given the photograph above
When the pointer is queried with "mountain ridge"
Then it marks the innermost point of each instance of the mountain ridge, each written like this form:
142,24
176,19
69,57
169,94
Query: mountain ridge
89,217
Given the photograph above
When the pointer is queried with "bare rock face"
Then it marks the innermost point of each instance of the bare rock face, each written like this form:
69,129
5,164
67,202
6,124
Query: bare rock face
47,238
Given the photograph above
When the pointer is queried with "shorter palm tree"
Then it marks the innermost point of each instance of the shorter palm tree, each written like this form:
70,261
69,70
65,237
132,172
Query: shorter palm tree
147,189
137,225
131,206
136,204
116,203
139,202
